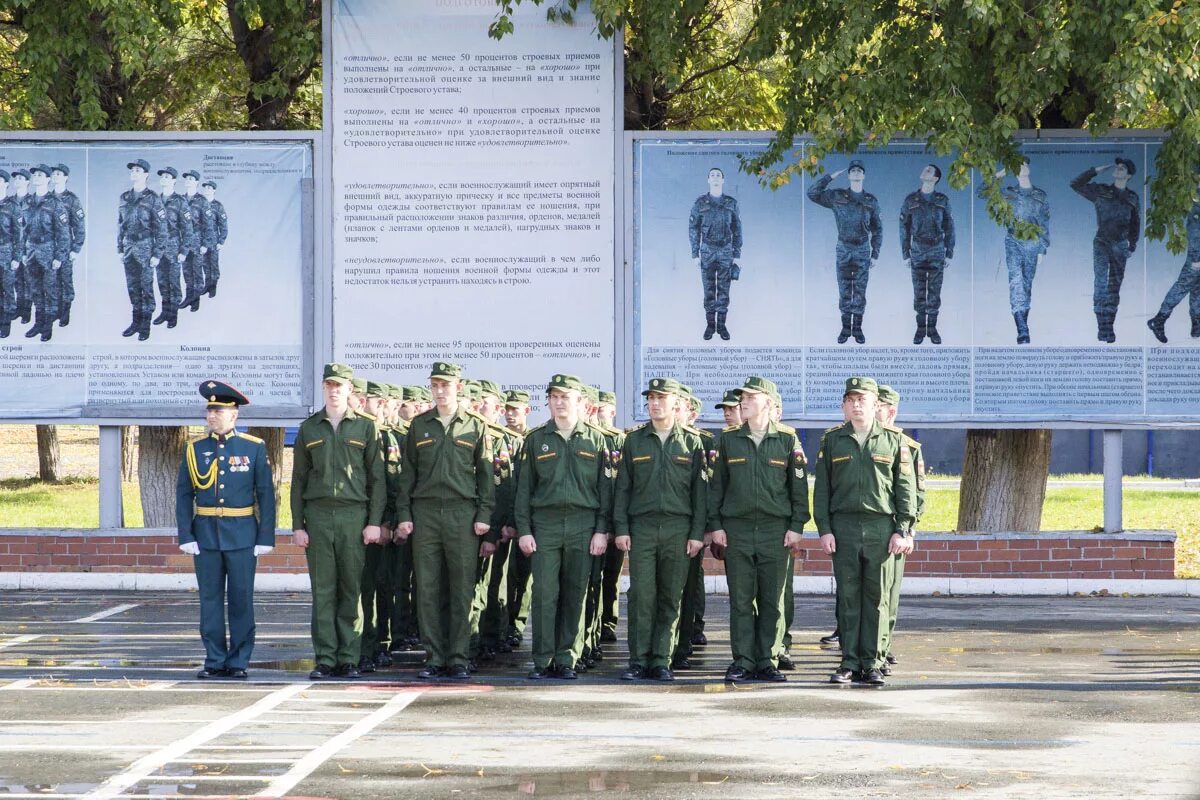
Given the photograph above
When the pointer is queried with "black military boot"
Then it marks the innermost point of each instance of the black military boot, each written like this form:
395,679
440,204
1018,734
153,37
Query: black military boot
846,323
722,331
26,313
1101,336
1022,320
36,330
856,329
47,328
1158,326
143,332
711,328
212,289
64,316
5,329
919,336
1110,335
931,328
1196,327
133,326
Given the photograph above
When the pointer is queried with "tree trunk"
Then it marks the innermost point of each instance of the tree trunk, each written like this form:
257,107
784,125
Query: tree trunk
49,466
159,451
274,440
128,453
1004,480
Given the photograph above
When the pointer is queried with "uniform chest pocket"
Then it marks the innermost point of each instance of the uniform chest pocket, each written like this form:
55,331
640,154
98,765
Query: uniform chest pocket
313,444
466,441
545,462
357,444
777,463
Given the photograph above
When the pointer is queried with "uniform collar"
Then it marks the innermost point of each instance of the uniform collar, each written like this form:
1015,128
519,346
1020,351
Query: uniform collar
772,429
350,413
676,430
222,439
580,426
876,428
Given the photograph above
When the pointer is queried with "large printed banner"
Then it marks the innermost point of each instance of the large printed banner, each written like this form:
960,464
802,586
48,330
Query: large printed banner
473,193
132,270
971,323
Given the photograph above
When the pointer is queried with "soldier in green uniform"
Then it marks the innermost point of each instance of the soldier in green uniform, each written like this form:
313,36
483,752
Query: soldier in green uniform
864,502
592,649
885,412
225,513
445,503
520,570
405,636
757,508
789,598
691,621
614,557
564,498
338,496
659,513
376,604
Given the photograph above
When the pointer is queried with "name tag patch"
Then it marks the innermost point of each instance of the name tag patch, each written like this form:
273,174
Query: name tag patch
640,459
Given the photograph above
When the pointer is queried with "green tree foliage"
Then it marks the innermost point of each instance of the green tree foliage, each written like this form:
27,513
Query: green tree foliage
159,64
966,75
686,65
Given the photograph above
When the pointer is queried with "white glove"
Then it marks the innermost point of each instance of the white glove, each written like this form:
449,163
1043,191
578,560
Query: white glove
191,548
262,549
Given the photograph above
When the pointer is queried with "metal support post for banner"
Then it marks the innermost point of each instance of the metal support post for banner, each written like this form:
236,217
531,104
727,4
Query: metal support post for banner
112,513
1112,481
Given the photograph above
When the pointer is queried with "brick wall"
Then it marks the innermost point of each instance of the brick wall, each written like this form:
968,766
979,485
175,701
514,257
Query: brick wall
1131,555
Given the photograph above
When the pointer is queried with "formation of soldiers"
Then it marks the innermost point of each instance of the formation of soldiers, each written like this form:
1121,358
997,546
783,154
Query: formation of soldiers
42,230
169,237
428,524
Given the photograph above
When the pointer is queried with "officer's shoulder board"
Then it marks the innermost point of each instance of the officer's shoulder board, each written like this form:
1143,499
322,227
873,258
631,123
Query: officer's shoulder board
910,442
703,434
831,430
250,438
369,416
503,433
198,439
894,429
597,428
785,428
477,416
636,428
730,428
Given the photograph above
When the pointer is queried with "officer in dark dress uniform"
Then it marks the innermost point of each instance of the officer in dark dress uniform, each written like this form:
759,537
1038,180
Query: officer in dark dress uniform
225,511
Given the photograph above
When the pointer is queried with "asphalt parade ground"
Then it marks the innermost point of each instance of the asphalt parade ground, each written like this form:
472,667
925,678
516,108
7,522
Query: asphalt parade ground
995,697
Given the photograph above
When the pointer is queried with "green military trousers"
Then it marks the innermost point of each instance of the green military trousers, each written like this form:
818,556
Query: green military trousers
889,630
520,596
610,609
756,568
863,570
404,605
658,567
691,609
445,560
562,566
335,565
493,627
789,606
375,635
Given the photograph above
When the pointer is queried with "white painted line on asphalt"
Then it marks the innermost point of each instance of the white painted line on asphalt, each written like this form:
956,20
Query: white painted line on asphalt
111,612
22,639
309,763
148,765
194,760
280,747
21,684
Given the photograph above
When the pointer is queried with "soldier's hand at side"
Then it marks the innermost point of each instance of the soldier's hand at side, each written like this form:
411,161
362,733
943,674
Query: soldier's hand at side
262,549
794,542
300,537
203,250
487,549
908,263
190,548
371,534
481,528
154,261
599,544
1195,265
717,550
694,547
507,532
527,544
56,263
182,257
718,538
828,544
16,264
899,543
624,543
404,530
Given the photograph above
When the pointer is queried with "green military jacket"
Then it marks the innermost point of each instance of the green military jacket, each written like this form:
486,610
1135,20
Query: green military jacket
664,478
876,478
389,442
447,463
502,477
343,466
918,461
767,480
567,475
